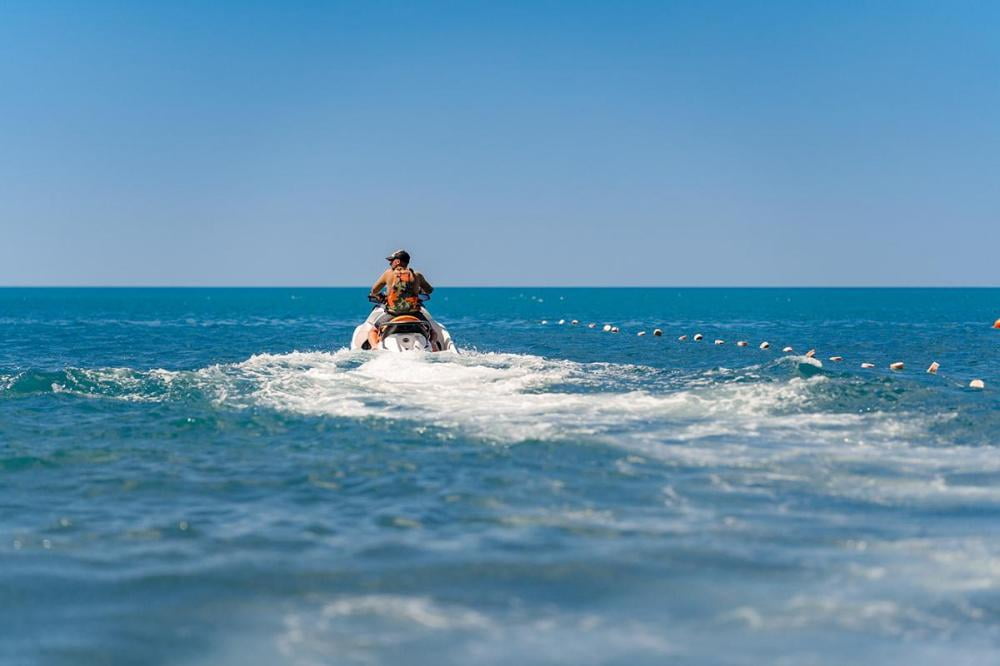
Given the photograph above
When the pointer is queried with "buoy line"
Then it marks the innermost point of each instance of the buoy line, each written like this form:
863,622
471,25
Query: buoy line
895,366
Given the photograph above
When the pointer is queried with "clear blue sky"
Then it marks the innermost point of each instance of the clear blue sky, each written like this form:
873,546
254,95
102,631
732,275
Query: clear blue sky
503,143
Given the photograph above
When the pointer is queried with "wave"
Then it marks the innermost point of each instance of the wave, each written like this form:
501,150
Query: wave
509,398
466,634
117,383
774,422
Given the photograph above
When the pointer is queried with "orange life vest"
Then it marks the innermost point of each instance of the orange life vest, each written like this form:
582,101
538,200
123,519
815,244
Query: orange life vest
402,292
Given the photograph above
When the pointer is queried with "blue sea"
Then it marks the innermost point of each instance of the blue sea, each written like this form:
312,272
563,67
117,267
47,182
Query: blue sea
209,477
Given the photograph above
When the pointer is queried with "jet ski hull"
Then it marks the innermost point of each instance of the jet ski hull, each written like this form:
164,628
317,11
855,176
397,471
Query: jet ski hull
405,338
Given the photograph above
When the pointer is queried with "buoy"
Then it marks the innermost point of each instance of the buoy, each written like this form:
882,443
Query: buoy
562,321
720,342
765,345
996,324
657,332
607,328
682,338
811,353
898,365
614,329
575,322
787,350
836,359
977,384
933,368
867,365
698,337
742,343
544,322
641,333
591,325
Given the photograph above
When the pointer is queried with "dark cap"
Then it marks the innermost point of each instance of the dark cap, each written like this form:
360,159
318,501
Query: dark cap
402,255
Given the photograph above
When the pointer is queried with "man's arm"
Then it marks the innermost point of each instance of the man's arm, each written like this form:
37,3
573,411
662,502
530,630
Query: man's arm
425,286
381,282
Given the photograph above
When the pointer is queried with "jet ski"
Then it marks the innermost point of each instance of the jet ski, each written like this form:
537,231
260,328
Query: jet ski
403,333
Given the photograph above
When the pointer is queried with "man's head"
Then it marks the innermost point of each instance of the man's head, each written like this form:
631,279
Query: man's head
399,258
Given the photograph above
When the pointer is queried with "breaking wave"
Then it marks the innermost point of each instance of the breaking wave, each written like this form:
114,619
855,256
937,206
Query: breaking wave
498,397
777,422
510,398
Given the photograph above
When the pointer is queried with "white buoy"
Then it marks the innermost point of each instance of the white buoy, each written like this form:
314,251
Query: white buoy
641,333
614,329
562,321
698,337
682,338
811,353
591,325
765,345
933,368
787,350
898,365
836,359
657,332
977,384
575,322
544,322
742,343
607,328
867,365
720,342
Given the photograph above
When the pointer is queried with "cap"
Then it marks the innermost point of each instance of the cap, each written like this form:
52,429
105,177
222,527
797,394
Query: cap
402,255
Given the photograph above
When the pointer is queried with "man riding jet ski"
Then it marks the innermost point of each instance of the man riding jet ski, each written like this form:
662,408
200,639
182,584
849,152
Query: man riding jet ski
402,323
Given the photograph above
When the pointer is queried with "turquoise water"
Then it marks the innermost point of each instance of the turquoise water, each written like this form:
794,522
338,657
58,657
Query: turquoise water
206,476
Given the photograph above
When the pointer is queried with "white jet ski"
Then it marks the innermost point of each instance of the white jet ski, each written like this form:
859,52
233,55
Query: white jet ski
404,333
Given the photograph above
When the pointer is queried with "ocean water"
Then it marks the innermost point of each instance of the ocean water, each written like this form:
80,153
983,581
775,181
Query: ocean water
206,476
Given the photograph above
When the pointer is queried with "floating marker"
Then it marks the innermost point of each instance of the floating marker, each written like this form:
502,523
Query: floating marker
641,333
836,359
591,325
811,353
720,342
977,384
614,329
996,324
898,365
765,345
657,332
698,337
682,338
787,350
544,322
575,322
933,368
742,343
867,365
607,328
562,321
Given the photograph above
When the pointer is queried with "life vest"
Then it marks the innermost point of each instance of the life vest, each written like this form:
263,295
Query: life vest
402,292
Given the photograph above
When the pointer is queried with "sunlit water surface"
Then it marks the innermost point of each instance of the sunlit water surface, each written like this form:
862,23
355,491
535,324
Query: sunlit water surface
209,477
